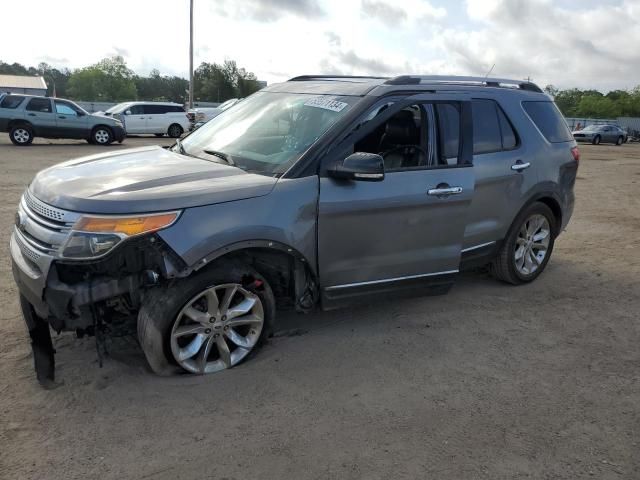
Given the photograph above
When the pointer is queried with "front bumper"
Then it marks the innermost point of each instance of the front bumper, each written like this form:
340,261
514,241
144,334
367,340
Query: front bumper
30,274
119,133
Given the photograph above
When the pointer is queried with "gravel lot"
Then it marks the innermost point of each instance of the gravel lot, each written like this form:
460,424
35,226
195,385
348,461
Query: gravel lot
490,381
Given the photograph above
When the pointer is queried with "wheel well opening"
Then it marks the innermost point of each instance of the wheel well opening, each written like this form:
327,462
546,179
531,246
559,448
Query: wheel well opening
557,212
292,282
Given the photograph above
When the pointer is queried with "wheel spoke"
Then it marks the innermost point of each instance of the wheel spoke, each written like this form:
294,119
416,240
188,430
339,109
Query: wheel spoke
193,347
196,315
213,306
223,350
541,235
242,308
520,252
534,259
204,354
245,320
238,339
226,299
192,329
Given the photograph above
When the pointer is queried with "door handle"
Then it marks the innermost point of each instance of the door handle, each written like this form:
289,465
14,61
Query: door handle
444,191
31,114
519,166
62,117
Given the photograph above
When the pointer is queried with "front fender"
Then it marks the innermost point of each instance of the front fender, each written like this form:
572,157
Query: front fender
284,219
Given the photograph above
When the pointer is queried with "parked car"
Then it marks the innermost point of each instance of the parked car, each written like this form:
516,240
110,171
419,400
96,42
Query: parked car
316,191
158,118
25,117
201,115
597,134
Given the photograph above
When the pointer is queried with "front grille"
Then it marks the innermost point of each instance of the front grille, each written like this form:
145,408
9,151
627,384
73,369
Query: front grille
43,229
26,251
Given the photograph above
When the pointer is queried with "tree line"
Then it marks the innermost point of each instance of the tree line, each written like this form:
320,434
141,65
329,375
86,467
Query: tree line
594,104
111,80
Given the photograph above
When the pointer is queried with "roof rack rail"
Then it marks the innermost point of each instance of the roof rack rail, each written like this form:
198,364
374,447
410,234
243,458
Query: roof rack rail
455,80
306,78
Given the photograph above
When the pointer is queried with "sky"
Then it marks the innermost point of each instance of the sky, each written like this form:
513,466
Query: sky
567,43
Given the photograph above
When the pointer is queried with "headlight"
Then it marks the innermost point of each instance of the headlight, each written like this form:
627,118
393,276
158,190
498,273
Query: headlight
93,236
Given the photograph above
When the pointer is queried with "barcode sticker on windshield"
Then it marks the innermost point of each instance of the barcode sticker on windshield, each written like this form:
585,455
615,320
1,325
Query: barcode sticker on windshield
321,102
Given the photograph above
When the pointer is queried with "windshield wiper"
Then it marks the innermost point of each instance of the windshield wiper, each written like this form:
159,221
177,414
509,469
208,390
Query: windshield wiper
180,147
220,155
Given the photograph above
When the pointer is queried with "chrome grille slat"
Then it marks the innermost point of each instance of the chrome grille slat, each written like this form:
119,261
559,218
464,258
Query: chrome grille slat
47,211
24,248
36,244
36,217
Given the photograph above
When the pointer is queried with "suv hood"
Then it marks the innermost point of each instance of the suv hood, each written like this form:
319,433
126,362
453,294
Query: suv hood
146,179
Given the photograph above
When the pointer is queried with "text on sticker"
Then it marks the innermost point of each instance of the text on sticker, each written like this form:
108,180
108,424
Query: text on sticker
321,102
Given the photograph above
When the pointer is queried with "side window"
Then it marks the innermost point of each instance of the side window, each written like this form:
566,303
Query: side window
176,109
486,127
137,110
64,109
156,109
549,121
509,138
11,101
448,117
39,105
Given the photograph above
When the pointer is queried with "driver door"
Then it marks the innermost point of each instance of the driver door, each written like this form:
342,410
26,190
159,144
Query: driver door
405,231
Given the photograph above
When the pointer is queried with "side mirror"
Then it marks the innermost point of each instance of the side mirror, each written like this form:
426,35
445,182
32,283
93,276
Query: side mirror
128,112
79,113
367,167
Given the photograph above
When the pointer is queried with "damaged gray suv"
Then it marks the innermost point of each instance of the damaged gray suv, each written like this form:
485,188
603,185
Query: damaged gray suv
317,191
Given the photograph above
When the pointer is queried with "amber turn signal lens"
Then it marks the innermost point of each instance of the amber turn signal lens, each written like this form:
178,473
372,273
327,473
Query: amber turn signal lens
126,225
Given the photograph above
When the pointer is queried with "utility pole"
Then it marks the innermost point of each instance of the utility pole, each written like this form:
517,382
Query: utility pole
190,53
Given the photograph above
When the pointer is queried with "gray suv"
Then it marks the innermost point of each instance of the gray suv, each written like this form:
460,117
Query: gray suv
25,117
317,191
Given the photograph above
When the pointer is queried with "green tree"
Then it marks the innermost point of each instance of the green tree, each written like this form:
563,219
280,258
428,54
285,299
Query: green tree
108,80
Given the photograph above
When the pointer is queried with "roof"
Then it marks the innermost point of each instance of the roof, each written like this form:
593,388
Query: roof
22,81
360,85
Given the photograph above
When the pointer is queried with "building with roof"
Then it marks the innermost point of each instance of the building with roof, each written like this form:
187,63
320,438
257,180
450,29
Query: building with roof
23,84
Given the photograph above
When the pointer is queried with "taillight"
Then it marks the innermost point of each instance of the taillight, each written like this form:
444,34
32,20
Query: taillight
576,154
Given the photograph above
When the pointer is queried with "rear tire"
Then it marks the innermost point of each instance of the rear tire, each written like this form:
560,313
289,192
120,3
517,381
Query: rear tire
525,239
596,140
21,135
101,136
162,311
175,130
620,141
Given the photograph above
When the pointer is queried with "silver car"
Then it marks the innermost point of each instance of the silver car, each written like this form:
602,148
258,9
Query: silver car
316,192
597,134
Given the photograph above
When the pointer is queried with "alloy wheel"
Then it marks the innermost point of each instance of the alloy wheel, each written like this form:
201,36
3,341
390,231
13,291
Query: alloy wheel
101,136
532,244
21,135
217,328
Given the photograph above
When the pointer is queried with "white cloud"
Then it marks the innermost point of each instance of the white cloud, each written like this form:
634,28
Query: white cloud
588,43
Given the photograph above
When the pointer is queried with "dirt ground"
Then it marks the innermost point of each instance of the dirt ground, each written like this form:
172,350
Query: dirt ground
491,381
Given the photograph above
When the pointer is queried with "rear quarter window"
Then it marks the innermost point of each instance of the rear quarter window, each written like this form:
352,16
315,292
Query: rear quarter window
549,121
11,101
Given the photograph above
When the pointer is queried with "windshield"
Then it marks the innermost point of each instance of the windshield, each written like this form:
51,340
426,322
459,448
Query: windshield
267,132
592,128
227,104
116,108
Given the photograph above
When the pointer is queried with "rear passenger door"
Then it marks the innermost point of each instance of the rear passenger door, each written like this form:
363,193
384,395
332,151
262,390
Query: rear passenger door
40,114
504,177
9,110
157,118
